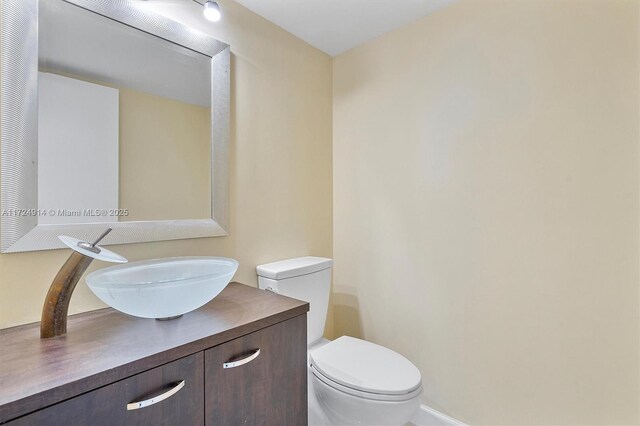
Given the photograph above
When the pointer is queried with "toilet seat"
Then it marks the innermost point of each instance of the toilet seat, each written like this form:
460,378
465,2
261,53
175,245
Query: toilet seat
365,370
365,395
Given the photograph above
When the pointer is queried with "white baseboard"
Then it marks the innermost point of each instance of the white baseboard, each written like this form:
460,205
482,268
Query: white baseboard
427,416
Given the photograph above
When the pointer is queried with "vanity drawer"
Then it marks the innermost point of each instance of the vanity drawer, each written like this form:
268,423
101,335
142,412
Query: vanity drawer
269,387
166,400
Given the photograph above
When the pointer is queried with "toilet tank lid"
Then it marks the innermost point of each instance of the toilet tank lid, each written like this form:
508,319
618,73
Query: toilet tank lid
293,267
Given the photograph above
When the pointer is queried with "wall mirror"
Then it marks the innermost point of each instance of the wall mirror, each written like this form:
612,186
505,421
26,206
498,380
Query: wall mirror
112,116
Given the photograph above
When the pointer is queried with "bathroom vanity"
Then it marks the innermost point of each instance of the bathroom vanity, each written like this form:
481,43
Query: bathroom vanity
240,359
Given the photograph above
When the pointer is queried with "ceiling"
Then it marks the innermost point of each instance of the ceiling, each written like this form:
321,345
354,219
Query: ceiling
335,26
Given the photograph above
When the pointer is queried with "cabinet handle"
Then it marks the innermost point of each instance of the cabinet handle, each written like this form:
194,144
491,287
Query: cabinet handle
156,399
242,361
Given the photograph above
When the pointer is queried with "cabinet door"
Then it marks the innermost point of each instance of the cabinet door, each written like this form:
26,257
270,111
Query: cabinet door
165,400
269,387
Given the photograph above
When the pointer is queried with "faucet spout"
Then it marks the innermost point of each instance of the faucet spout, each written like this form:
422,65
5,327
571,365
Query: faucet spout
56,305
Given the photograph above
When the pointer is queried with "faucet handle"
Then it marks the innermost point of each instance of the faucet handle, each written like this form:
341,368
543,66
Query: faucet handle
92,246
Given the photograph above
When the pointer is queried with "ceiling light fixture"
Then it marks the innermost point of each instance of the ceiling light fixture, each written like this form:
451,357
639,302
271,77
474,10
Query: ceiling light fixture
211,10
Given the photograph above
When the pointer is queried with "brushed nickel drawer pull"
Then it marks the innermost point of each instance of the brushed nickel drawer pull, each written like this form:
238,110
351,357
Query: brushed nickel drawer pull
155,399
242,361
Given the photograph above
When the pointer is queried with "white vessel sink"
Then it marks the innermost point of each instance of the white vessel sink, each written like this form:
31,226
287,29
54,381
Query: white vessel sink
162,288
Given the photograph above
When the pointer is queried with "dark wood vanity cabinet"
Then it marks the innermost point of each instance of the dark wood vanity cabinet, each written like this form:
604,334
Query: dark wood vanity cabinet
107,406
259,388
241,360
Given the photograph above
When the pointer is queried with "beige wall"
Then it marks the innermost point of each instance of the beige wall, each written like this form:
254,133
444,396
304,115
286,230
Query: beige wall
486,207
281,185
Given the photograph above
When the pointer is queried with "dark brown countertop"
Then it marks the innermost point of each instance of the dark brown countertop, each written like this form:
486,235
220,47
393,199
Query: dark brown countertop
104,346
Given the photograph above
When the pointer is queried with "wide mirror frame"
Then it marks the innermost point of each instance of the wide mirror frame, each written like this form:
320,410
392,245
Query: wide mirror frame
19,131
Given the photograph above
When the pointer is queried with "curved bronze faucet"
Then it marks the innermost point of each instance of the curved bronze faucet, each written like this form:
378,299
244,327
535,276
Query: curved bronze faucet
56,304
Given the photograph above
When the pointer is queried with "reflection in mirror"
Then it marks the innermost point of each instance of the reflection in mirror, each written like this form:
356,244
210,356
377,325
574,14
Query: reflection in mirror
124,128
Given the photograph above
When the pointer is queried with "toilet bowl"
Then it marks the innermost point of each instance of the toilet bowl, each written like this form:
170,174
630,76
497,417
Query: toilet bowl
350,381
353,381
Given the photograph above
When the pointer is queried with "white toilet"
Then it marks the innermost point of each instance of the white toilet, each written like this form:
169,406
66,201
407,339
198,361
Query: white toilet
351,381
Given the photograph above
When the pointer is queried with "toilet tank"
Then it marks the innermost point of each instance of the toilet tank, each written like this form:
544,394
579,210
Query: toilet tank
304,278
